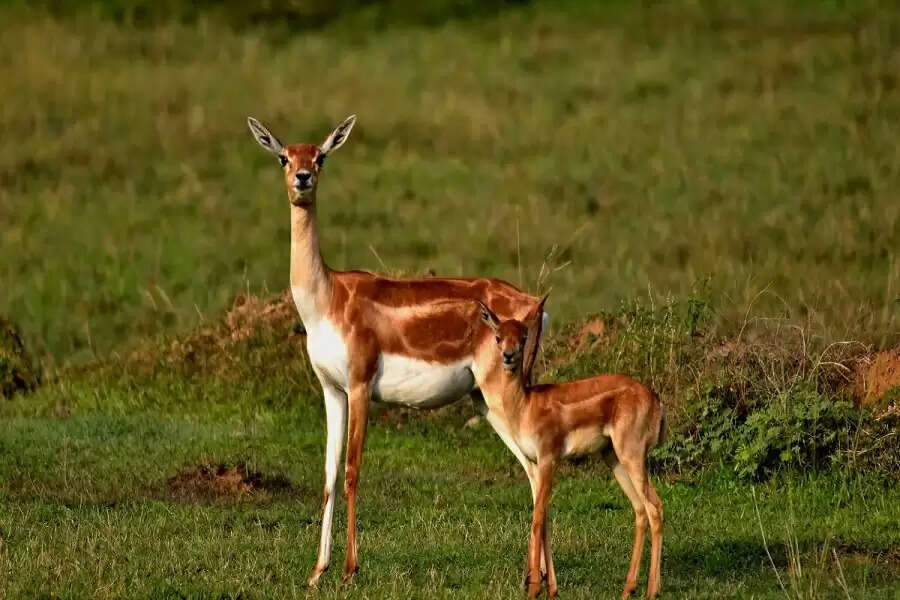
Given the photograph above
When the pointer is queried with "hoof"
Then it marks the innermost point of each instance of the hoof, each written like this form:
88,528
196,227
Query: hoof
313,580
525,579
349,575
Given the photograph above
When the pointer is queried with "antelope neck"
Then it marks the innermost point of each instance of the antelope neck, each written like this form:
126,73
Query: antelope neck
310,276
509,388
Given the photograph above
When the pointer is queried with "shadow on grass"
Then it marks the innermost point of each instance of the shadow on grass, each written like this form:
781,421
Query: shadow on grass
725,557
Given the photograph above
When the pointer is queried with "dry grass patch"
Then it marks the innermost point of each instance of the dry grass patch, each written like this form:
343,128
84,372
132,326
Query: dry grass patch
226,483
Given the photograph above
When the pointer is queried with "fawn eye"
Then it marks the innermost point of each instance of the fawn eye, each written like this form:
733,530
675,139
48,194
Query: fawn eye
497,338
283,159
320,159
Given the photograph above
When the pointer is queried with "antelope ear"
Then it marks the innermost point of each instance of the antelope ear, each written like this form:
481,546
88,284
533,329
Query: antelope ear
540,307
532,342
489,318
338,136
264,137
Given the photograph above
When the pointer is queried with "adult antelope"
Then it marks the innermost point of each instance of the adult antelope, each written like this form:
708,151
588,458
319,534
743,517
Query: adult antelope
403,341
613,414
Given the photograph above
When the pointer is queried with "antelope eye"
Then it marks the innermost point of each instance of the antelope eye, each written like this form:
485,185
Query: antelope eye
320,159
283,159
497,338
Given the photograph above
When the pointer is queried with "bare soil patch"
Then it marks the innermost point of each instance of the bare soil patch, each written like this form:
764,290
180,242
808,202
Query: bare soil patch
226,483
877,375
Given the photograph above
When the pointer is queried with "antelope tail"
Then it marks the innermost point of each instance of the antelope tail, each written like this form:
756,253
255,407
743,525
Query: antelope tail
661,432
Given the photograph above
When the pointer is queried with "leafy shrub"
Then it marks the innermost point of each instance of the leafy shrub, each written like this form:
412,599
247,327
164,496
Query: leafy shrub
705,432
802,429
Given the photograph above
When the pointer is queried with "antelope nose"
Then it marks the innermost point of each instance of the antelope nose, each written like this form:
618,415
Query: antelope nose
508,356
303,176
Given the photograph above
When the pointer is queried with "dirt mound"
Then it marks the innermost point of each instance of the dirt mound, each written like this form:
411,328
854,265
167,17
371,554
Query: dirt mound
17,373
215,349
248,317
574,340
225,483
877,375
249,313
590,332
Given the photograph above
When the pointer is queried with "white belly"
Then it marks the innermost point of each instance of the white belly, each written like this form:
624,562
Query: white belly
399,379
414,382
584,441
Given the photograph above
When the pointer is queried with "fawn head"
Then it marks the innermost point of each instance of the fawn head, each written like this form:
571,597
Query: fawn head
301,162
510,336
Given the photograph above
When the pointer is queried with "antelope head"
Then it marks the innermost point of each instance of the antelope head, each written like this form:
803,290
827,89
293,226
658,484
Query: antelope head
301,162
510,336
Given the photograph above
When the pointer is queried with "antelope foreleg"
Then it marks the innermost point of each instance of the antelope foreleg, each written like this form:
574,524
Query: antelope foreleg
358,402
545,472
336,422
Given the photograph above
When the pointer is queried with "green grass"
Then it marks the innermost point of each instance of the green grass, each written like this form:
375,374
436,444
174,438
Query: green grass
85,511
652,148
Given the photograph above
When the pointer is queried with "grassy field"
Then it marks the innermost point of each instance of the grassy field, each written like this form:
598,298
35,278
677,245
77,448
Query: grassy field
89,508
718,181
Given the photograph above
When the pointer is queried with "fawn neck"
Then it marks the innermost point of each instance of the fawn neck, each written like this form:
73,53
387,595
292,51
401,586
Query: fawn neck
310,276
509,388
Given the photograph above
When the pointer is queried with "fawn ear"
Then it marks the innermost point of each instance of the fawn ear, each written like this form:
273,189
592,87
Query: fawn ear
535,323
489,318
264,137
338,136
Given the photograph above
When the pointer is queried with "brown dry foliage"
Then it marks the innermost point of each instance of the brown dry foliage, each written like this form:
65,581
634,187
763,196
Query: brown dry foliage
762,360
269,325
17,372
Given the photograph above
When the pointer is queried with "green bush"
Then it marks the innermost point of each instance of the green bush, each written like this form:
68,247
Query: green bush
801,429
704,434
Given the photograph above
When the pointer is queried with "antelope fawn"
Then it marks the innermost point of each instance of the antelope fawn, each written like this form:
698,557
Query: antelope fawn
612,414
404,341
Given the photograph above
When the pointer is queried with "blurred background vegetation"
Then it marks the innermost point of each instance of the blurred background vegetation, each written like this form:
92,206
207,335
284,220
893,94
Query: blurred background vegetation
620,149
